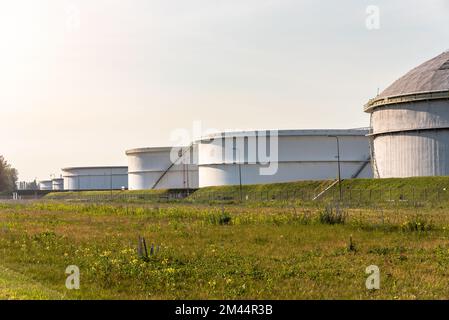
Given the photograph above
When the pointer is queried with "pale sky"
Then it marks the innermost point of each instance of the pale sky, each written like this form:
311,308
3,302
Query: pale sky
82,81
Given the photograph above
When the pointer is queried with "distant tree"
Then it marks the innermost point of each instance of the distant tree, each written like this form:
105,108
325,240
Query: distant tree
8,176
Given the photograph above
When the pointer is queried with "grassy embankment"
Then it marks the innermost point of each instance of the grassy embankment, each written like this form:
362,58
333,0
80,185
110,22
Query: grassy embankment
424,189
354,191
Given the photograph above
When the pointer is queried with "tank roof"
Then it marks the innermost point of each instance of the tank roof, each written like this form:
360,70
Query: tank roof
93,167
428,81
292,133
149,149
430,76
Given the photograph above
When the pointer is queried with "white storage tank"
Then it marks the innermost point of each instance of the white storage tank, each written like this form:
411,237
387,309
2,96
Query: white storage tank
46,185
58,184
410,123
257,157
95,178
162,168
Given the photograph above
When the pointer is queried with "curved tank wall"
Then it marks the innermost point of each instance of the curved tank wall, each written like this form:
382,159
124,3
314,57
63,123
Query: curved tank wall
412,154
289,155
58,184
95,178
410,123
46,185
162,168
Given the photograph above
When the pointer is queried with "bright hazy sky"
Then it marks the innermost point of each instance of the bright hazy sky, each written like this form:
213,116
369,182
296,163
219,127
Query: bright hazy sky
82,81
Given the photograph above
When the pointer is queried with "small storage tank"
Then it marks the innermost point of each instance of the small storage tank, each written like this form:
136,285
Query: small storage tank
257,157
410,123
46,185
58,184
162,168
95,178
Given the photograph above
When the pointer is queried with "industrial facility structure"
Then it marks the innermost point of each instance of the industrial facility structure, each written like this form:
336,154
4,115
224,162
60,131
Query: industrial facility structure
46,185
95,178
58,184
257,157
162,168
408,136
410,123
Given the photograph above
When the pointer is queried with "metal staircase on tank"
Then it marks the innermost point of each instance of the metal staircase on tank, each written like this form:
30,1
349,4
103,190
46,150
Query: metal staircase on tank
363,166
180,156
322,193
371,145
334,183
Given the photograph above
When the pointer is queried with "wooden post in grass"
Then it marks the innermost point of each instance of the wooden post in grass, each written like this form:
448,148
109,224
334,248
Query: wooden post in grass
145,248
142,251
139,247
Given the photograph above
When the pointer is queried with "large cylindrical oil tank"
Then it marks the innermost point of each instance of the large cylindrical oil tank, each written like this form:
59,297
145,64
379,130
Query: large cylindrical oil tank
162,168
410,123
58,184
46,185
257,157
95,178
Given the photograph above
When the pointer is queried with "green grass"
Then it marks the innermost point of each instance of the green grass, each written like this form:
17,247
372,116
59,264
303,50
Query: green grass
312,186
69,194
359,192
15,286
355,191
261,192
115,195
398,183
221,252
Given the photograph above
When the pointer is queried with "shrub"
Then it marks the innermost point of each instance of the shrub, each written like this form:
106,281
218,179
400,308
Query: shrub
418,223
333,214
222,219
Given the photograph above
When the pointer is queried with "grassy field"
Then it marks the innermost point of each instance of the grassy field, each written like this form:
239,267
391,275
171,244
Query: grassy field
222,251
14,286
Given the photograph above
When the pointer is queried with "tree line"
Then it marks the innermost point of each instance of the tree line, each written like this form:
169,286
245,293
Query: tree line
8,176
